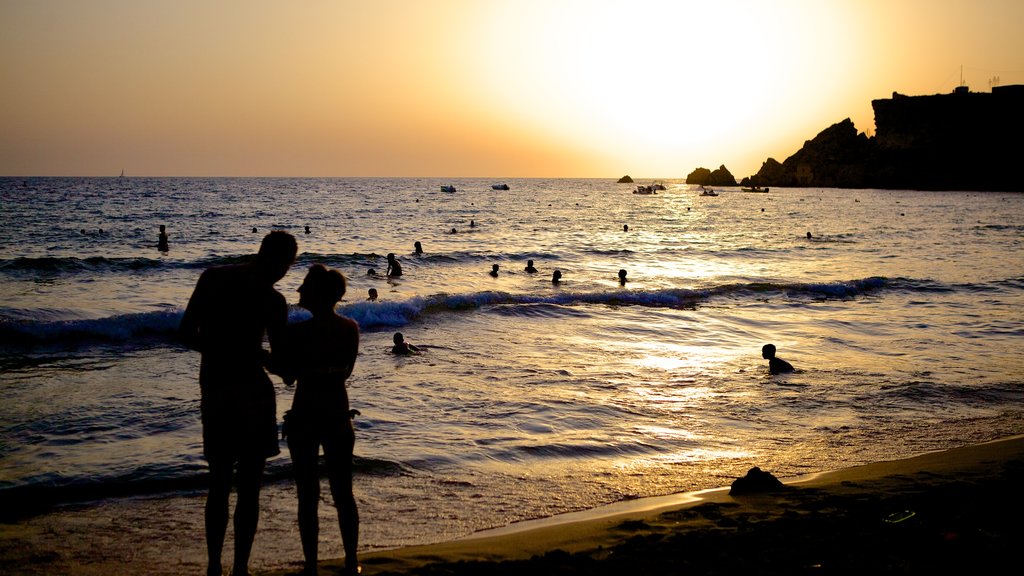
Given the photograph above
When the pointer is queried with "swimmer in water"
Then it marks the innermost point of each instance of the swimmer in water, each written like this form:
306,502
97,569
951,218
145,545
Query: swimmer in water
418,247
394,268
622,277
556,277
775,365
494,270
162,242
529,267
372,294
401,346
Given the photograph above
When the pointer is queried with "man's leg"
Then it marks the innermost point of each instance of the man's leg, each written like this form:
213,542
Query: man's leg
217,513
247,510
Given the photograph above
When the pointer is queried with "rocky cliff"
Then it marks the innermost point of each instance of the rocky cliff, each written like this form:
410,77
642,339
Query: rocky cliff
959,141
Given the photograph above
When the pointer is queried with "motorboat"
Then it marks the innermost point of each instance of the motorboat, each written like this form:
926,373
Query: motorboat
448,188
708,191
755,189
644,190
657,186
502,186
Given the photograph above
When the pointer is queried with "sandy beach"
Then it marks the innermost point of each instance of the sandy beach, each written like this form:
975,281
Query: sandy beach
955,511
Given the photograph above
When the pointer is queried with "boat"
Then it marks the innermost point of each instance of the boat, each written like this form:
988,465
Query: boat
757,189
708,191
448,188
644,190
499,186
657,186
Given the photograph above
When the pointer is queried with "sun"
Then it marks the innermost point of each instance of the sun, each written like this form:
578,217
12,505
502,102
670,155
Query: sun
663,80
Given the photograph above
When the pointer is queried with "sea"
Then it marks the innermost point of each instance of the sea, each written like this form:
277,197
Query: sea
902,312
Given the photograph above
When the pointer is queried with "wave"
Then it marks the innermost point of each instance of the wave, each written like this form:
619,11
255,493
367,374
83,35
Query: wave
70,265
37,494
36,327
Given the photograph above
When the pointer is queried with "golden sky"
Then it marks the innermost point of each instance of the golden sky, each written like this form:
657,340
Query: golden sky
488,88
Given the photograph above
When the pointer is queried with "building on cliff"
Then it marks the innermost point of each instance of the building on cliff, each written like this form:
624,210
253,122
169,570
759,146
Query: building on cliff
959,141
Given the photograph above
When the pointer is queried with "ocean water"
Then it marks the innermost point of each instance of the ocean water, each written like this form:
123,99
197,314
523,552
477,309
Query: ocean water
902,314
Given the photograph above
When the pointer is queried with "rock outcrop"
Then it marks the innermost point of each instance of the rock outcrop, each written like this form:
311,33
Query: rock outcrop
625,180
705,177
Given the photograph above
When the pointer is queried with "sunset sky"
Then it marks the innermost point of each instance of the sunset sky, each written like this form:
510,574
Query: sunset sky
448,88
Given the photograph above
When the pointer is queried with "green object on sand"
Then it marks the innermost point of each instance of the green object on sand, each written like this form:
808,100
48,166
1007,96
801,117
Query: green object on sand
898,517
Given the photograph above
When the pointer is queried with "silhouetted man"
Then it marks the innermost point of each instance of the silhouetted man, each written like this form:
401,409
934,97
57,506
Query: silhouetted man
230,310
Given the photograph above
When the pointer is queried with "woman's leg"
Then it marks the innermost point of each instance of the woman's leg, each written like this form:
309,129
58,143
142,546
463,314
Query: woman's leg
338,453
305,452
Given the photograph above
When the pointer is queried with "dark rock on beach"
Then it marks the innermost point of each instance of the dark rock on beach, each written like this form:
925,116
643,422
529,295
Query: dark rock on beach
756,481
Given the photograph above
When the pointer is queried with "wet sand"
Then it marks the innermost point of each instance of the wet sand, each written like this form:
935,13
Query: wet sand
956,511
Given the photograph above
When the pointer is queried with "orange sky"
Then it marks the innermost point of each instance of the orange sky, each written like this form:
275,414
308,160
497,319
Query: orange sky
447,88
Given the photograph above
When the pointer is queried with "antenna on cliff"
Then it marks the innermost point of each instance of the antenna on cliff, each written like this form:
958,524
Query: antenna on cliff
962,88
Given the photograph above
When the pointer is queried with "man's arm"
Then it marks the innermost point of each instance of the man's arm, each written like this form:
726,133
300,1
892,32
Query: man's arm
277,325
188,329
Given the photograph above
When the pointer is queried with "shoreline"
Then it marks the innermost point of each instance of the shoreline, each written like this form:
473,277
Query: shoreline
950,511
943,511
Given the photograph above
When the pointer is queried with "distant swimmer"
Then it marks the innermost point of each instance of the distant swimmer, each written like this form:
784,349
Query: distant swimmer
775,365
394,268
494,270
307,230
529,267
254,230
472,224
625,227
622,277
401,346
556,277
372,294
418,247
809,235
371,272
454,231
162,242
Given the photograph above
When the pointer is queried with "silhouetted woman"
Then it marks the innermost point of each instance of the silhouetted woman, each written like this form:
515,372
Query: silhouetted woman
320,354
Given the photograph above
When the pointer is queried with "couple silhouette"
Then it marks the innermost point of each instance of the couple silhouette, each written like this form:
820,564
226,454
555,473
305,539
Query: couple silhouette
228,314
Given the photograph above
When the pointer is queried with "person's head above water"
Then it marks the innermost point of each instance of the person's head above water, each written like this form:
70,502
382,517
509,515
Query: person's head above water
391,257
418,247
398,338
277,254
622,274
372,294
321,289
768,351
556,276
